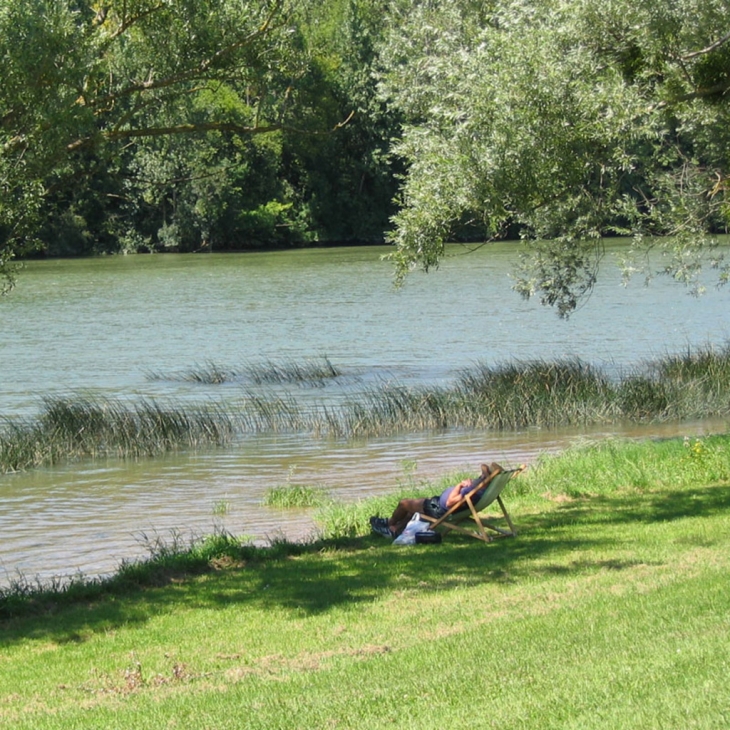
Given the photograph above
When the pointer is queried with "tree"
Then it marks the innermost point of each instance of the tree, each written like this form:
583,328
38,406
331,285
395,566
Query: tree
84,79
565,120
343,184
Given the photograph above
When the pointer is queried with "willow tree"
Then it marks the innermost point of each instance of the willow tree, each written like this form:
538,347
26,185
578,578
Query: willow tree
82,77
565,120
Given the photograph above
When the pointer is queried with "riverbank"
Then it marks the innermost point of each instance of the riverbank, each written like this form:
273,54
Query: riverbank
607,610
586,470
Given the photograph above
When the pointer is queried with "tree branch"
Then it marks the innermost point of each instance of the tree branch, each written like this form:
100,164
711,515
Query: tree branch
119,134
709,48
128,22
204,67
697,94
195,128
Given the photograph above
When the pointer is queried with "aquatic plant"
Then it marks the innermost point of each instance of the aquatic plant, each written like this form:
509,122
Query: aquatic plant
507,396
642,397
208,373
387,408
221,507
709,365
91,427
285,496
86,427
307,371
22,446
537,393
271,413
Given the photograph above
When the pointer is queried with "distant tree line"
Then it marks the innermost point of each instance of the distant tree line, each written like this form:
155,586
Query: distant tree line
131,125
197,125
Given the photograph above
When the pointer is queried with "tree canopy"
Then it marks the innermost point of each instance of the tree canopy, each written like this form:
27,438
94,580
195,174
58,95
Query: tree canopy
133,122
563,121
130,125
80,76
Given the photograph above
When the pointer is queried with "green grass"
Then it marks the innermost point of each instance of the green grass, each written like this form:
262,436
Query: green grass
92,427
294,496
511,396
601,467
609,610
311,371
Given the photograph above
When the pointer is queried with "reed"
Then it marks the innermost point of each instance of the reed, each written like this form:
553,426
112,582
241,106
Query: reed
388,408
270,413
209,373
508,396
81,428
105,427
539,393
24,446
694,384
308,371
295,496
313,371
709,365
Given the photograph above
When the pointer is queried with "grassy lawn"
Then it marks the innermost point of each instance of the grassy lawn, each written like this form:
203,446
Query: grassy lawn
611,609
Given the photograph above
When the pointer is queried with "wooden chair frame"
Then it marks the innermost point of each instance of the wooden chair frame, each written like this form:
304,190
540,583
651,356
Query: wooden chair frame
496,479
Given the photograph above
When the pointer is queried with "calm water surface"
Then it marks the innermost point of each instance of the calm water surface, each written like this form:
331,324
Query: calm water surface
103,327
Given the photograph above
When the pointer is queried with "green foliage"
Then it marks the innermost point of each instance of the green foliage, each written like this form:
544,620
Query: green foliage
83,82
566,121
517,395
295,496
232,124
183,126
343,183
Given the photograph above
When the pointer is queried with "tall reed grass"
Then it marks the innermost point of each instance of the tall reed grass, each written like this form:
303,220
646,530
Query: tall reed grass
84,427
208,373
310,371
546,394
508,396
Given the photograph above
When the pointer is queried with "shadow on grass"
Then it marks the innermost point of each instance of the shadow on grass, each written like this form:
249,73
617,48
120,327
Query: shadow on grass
317,578
651,507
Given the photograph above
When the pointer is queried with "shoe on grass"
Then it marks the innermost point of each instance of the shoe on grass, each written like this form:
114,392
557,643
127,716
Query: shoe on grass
380,526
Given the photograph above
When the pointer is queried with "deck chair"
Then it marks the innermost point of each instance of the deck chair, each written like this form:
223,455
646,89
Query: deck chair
496,478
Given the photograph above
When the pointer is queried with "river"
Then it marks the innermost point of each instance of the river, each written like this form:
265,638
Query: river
126,327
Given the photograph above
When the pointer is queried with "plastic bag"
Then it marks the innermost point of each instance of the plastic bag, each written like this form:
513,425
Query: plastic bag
408,536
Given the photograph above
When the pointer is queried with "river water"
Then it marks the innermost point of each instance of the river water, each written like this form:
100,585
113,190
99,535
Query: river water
127,327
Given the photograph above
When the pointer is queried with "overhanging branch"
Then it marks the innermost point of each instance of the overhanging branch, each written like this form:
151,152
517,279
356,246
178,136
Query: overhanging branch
707,50
196,128
716,90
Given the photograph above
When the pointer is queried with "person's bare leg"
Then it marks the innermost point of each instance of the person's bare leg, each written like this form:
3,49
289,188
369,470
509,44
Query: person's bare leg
402,514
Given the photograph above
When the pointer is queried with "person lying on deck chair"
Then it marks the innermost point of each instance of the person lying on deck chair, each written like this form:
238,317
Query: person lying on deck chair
435,507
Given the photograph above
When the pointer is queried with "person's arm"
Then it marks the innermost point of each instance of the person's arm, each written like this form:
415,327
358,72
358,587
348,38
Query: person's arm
455,493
